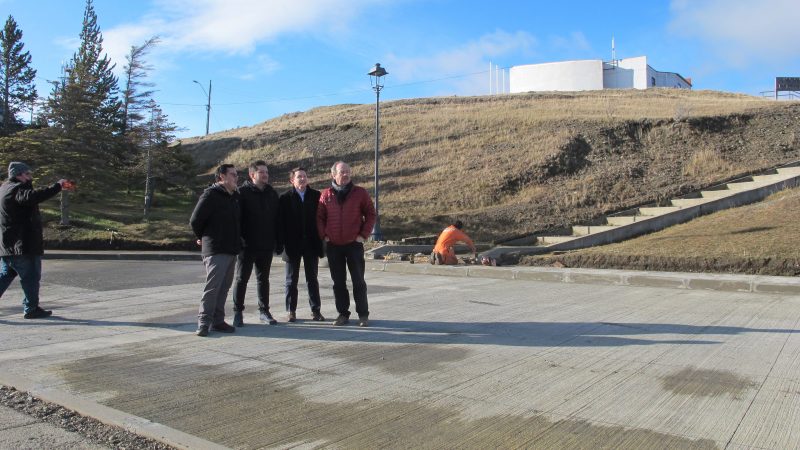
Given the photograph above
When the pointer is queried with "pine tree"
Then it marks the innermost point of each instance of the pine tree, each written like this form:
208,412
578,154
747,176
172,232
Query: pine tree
85,109
86,104
137,93
16,75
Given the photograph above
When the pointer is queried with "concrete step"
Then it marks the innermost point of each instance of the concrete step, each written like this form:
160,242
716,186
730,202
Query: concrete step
719,193
583,230
789,170
547,240
747,185
622,220
688,202
771,178
657,210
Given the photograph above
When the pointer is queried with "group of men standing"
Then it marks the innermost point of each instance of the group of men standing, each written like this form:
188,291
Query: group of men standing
240,228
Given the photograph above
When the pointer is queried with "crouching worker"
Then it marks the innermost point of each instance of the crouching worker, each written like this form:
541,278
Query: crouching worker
443,252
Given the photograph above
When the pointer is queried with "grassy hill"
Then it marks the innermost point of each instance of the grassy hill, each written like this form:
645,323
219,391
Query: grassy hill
517,164
758,239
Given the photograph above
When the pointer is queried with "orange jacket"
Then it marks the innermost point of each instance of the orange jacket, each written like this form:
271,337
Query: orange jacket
449,237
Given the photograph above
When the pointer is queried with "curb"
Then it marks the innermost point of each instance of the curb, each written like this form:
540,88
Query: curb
104,255
676,280
110,416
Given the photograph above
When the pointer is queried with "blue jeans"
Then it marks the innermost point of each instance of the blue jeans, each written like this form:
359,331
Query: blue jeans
29,269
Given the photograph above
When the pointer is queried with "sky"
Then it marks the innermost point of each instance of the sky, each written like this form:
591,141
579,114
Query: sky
265,58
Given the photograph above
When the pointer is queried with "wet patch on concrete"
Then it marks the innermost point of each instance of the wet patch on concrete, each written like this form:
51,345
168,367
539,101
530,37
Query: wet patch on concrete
401,359
706,383
255,408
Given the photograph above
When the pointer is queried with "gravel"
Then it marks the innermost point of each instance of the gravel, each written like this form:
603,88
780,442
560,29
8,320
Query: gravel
92,429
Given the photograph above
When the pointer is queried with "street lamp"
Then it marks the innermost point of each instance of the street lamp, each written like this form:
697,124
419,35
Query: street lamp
208,105
375,79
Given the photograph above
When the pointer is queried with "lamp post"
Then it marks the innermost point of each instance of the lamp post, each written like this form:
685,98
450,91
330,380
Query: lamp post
208,105
375,78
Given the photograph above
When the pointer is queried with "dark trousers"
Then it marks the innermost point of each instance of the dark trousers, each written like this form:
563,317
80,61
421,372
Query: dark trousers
245,261
342,258
292,272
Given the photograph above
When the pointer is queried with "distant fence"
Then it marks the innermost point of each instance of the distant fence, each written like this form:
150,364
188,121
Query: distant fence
782,95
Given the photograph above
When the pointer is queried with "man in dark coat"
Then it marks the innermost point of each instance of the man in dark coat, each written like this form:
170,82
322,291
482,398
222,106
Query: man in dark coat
22,244
300,239
259,236
215,222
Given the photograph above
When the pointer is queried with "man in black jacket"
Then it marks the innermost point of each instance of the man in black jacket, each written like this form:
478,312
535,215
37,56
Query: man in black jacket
22,244
300,240
259,235
215,222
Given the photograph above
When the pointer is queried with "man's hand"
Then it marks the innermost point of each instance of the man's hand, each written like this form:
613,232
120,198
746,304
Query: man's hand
360,239
66,185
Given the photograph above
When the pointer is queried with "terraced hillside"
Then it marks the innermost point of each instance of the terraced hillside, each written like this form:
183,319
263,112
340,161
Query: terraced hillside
518,164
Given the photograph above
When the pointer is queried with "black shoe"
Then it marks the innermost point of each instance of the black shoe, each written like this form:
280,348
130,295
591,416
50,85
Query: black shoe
266,317
223,327
291,316
238,320
202,331
363,321
316,316
38,313
341,320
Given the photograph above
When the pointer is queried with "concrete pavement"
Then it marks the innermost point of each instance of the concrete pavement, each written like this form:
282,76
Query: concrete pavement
455,357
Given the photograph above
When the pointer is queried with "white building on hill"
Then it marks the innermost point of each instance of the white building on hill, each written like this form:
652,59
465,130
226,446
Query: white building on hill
591,74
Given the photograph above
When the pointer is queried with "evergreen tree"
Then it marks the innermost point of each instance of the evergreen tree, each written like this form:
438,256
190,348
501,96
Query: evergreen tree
137,93
16,75
84,107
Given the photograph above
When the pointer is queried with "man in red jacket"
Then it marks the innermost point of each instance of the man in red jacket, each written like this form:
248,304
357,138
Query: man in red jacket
345,218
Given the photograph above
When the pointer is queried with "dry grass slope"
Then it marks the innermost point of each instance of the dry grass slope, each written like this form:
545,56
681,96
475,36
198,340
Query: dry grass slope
759,238
517,164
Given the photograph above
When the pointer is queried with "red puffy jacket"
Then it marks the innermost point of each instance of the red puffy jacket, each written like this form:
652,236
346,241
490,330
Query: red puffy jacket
343,223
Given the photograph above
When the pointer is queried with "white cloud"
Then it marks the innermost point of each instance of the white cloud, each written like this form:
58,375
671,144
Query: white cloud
257,67
237,26
470,58
741,32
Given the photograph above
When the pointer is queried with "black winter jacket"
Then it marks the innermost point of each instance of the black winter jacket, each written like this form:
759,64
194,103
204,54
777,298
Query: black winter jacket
20,219
216,221
298,223
259,217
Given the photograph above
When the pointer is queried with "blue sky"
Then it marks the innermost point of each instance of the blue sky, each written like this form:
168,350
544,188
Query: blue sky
266,58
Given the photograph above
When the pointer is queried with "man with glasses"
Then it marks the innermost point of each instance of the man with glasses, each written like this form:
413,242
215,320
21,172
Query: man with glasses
21,236
215,222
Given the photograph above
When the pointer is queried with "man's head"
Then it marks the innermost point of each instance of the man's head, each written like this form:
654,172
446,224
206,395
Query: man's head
19,171
459,224
227,176
299,178
340,172
259,173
